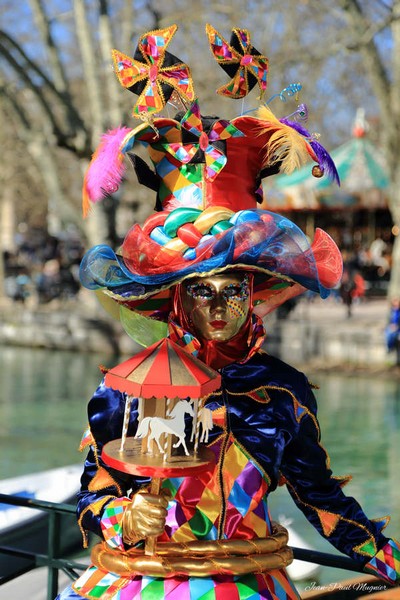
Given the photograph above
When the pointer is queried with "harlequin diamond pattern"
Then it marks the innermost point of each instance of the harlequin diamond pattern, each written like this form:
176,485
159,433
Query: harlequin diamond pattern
246,511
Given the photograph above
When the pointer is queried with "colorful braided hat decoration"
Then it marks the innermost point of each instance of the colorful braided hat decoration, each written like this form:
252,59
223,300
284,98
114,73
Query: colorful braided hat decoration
207,175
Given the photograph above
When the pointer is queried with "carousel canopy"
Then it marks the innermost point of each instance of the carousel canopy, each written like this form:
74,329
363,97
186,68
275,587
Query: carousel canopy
163,370
363,177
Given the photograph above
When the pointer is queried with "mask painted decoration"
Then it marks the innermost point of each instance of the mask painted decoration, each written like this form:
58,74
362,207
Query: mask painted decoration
217,306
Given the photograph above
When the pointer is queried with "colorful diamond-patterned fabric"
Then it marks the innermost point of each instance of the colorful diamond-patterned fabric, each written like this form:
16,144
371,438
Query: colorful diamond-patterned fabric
87,439
386,563
180,184
154,73
274,586
181,181
240,60
215,159
198,503
111,522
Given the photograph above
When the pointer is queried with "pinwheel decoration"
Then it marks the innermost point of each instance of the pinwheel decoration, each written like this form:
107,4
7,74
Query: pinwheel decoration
240,60
154,74
215,158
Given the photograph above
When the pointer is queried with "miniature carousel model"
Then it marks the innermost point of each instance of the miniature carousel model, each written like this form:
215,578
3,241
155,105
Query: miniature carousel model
170,384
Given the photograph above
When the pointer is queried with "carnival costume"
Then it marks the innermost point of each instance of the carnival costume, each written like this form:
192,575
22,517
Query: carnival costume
219,540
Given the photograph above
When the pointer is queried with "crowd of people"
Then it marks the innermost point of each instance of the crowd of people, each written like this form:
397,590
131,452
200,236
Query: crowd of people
366,271
42,267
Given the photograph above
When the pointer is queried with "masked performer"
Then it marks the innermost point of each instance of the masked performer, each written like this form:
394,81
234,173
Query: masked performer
204,269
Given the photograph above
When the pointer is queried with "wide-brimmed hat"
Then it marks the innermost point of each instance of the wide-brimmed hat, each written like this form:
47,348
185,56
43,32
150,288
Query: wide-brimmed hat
206,173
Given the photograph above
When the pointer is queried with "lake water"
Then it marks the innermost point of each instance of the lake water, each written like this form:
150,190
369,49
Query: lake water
43,399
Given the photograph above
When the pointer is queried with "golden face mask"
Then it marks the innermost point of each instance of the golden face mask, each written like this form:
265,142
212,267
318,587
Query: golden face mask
217,306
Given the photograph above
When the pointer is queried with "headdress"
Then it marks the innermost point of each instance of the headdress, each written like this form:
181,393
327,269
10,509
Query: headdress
207,178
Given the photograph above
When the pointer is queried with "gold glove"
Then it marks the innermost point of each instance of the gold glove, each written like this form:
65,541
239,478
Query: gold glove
145,517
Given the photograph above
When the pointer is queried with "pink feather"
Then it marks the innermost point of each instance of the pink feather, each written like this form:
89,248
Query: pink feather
106,169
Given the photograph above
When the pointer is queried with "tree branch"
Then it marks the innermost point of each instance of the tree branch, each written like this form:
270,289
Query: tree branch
28,66
36,145
126,25
11,99
371,57
90,70
106,44
56,66
155,13
37,91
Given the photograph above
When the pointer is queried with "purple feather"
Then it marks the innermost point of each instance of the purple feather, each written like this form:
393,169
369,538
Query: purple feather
297,126
323,157
325,161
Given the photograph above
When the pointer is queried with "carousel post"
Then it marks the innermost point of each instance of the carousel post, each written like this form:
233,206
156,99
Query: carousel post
127,412
151,541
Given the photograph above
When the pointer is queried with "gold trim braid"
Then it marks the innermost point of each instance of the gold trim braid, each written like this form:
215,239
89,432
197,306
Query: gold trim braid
199,558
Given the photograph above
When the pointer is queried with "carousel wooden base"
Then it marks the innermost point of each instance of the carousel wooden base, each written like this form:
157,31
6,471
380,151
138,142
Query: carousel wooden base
132,460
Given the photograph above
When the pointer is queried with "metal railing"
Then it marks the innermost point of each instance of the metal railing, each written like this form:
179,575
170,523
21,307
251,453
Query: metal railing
51,559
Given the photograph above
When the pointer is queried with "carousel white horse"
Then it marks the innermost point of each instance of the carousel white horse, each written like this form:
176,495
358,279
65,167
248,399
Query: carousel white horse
174,424
205,421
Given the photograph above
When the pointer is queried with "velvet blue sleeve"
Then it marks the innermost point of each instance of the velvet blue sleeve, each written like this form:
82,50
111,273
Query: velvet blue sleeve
273,414
337,517
100,483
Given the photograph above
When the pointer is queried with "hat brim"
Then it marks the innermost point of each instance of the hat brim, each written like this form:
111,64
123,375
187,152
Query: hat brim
270,245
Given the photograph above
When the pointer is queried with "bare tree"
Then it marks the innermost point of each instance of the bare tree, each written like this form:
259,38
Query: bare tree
49,111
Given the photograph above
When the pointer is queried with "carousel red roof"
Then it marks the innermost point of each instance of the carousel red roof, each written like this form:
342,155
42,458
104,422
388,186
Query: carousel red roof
163,370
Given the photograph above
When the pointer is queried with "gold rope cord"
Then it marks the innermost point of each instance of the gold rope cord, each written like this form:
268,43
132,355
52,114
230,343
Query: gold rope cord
199,558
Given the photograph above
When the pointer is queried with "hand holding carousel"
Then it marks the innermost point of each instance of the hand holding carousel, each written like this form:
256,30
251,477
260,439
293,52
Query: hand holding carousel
145,517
